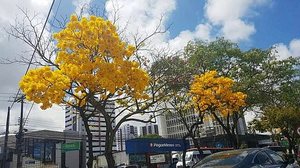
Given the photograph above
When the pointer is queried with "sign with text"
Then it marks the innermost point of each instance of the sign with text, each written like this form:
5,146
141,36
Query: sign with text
143,145
157,158
70,146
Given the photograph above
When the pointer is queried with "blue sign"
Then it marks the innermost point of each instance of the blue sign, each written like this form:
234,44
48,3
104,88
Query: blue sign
37,151
140,145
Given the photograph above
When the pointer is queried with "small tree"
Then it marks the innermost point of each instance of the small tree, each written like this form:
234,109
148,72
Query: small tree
286,119
213,96
94,68
283,114
177,74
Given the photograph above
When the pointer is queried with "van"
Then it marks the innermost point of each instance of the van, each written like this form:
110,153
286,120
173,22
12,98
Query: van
192,157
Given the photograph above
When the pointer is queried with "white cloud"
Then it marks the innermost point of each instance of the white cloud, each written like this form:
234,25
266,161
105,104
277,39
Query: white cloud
237,30
202,31
140,16
80,5
230,15
10,9
220,11
12,48
295,47
285,51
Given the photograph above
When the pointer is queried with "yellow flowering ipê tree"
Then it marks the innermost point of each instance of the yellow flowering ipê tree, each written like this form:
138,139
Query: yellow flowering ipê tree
93,68
213,97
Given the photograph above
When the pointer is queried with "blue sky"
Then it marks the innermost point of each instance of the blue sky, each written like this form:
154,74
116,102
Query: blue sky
277,22
250,23
186,16
269,22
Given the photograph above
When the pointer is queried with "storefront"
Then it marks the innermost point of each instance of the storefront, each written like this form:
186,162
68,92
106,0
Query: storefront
153,152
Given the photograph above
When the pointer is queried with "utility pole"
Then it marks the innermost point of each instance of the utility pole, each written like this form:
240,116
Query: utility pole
5,140
19,136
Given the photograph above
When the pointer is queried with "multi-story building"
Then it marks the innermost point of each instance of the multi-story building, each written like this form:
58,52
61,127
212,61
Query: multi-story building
149,128
97,126
124,133
171,126
43,148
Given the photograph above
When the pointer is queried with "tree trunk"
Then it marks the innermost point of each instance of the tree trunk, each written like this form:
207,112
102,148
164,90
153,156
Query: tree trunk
90,141
233,140
109,140
184,150
109,158
237,137
109,153
195,141
230,134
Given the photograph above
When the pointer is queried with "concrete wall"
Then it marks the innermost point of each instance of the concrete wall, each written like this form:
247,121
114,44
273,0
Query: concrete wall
72,159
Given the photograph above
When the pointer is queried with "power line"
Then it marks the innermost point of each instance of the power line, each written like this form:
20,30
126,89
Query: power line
19,136
56,11
35,48
28,114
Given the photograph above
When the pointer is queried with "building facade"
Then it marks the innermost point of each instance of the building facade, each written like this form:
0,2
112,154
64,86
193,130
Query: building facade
149,128
97,126
124,133
44,149
171,126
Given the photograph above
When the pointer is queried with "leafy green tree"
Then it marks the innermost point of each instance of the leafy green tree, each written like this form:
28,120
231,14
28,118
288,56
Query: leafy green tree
283,114
177,74
256,72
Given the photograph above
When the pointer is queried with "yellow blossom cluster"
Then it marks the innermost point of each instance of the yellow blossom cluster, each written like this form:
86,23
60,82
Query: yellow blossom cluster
44,86
210,92
92,57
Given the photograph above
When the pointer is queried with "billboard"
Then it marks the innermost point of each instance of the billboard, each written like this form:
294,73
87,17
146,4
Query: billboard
141,145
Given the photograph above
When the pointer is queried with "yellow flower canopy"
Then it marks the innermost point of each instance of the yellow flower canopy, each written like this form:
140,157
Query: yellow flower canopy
91,58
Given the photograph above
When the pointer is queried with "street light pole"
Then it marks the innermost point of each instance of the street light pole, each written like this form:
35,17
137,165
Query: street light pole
6,139
19,136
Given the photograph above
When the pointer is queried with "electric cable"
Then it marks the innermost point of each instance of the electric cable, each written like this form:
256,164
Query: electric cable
34,51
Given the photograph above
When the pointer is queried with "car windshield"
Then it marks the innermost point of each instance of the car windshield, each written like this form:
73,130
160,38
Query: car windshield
223,159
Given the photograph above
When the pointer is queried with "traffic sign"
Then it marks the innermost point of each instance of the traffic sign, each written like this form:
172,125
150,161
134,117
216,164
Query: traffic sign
284,143
70,146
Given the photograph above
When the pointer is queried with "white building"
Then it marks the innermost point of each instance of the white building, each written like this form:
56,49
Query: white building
97,125
171,126
149,128
124,133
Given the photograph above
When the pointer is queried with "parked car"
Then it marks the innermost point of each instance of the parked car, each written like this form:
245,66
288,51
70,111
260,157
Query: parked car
193,156
246,158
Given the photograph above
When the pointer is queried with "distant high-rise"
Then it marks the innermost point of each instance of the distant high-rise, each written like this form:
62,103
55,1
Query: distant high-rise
149,128
171,126
97,125
124,133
